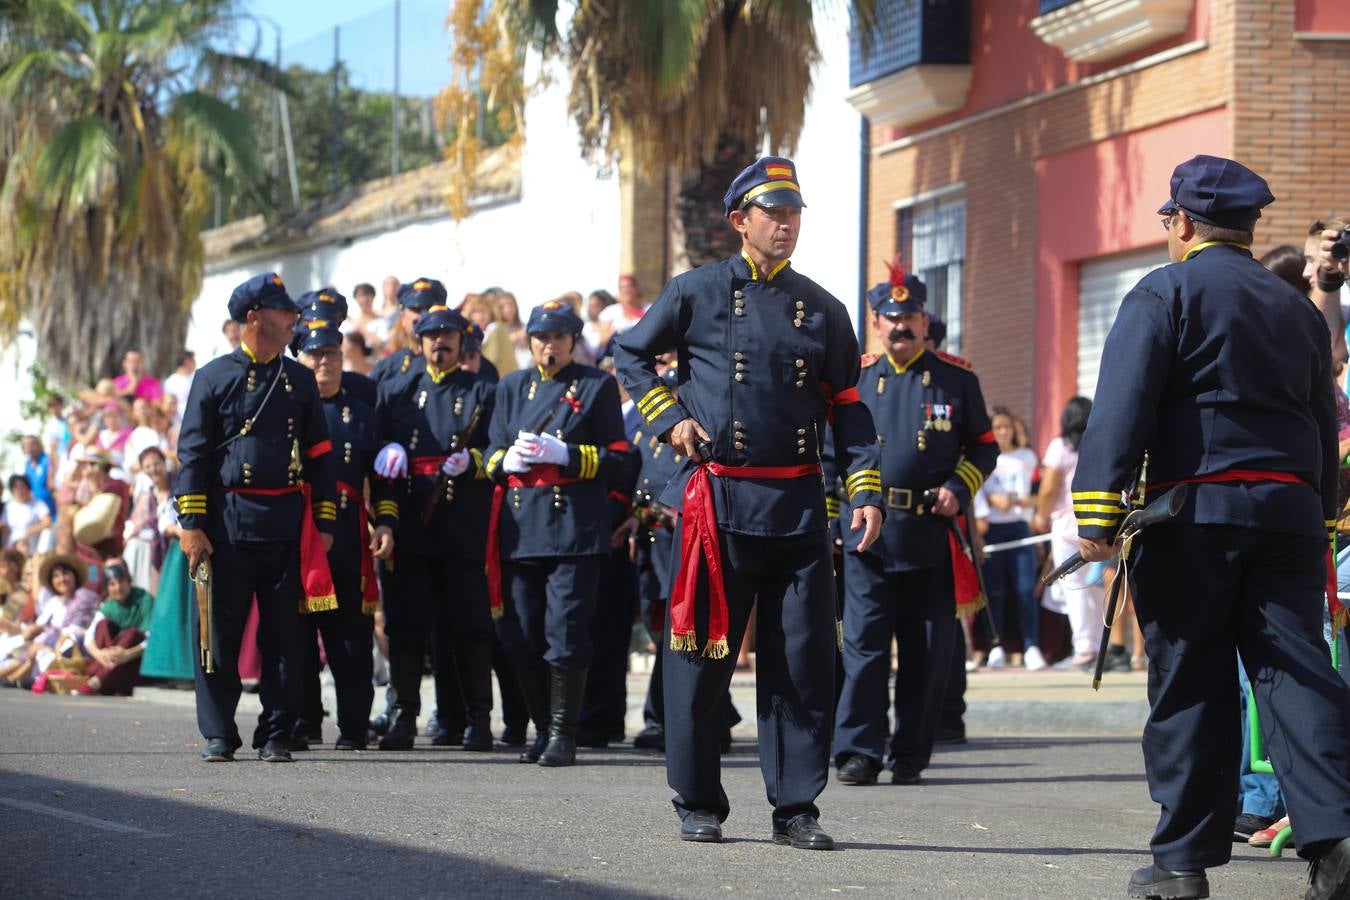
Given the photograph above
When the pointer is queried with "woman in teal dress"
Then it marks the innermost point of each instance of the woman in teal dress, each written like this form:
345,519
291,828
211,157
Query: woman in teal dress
170,648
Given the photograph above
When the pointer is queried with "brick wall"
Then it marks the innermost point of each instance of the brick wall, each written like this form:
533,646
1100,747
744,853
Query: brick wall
1287,124
995,157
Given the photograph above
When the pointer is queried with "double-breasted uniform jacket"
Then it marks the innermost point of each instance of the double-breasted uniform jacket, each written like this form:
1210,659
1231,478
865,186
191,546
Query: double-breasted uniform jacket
253,433
766,360
580,406
933,431
353,430
1176,380
425,412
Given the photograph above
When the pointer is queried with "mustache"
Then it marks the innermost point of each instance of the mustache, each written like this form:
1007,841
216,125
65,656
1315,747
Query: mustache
902,334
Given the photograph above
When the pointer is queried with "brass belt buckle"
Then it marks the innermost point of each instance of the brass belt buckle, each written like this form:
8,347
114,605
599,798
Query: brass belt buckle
899,498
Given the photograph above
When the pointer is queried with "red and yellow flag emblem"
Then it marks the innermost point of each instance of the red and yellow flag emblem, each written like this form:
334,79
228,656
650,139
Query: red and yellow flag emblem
778,170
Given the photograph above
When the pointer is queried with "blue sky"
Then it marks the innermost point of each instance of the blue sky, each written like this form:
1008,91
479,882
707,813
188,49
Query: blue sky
301,19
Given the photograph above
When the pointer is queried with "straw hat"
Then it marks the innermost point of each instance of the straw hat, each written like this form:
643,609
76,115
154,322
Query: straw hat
96,519
70,561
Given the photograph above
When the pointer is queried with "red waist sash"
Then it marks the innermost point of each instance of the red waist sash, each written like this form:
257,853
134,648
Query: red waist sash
1231,475
315,576
426,465
370,587
542,475
699,542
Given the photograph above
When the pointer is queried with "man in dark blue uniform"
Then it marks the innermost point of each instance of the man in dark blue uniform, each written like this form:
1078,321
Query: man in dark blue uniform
557,443
257,463
1222,374
767,357
329,306
414,299
936,450
435,423
348,630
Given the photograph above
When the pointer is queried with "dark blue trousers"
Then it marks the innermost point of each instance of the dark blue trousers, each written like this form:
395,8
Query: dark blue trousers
549,603
271,572
917,607
792,580
1010,578
605,705
1202,591
348,635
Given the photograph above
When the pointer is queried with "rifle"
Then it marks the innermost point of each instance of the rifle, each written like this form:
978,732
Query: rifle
457,443
201,580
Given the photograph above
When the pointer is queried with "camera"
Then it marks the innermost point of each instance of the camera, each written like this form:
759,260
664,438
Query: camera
1340,249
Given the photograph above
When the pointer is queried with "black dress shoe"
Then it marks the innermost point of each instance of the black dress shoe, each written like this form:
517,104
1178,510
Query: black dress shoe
477,737
858,770
702,828
380,724
513,737
803,833
298,743
653,737
1248,824
532,753
593,740
218,750
1156,883
1329,874
906,776
347,743
275,751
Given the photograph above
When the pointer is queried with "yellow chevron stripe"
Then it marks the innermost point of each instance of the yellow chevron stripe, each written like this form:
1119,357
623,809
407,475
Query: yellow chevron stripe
652,397
968,481
659,408
494,460
863,473
1096,508
1097,495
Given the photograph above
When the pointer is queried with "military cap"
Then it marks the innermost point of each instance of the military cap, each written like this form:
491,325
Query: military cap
473,338
769,182
937,330
325,303
266,291
314,335
1218,192
423,293
901,294
440,318
553,315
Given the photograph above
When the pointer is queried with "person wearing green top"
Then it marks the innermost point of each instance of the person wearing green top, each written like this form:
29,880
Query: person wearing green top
116,637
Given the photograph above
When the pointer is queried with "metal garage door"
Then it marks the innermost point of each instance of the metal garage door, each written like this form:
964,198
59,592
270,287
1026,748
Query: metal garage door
1102,284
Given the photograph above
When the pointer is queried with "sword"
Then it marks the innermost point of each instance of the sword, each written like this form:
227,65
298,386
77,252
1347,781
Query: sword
1165,507
201,581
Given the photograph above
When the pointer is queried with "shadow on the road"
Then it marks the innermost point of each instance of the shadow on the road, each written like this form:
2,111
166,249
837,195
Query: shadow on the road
183,849
1001,851
1033,743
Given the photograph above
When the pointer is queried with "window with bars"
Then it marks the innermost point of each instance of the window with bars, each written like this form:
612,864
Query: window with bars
931,241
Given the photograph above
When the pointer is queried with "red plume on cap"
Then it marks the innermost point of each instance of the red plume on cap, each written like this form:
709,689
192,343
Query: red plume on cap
899,292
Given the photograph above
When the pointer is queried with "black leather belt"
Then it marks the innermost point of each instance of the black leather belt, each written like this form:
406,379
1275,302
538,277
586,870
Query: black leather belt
907,500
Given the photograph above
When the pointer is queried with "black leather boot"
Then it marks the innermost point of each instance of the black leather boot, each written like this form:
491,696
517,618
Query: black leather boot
534,688
405,676
473,666
567,687
402,730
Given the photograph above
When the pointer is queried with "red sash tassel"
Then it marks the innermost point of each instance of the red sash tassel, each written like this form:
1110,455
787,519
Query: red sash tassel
370,587
699,544
315,576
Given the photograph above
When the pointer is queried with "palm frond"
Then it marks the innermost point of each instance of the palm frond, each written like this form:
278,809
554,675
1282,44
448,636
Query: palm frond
533,23
248,68
208,122
77,162
669,38
40,64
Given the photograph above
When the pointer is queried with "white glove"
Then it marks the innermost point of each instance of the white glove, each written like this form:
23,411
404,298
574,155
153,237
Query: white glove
547,449
391,461
514,462
456,463
525,442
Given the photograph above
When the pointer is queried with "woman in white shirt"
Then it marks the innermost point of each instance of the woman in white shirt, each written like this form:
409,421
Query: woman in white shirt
1005,502
1082,594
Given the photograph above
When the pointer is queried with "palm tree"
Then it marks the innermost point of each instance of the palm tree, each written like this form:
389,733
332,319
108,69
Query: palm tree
112,132
689,87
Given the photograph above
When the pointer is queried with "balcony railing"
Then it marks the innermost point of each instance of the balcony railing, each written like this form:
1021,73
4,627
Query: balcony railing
910,33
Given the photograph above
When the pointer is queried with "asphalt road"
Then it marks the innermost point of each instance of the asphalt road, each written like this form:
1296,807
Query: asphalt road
105,797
